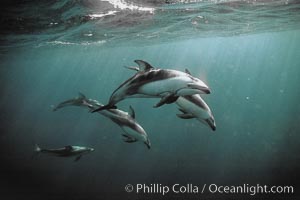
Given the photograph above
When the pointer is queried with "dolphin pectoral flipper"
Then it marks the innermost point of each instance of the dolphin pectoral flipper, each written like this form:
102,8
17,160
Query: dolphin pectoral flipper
168,99
185,116
182,110
143,66
77,158
128,139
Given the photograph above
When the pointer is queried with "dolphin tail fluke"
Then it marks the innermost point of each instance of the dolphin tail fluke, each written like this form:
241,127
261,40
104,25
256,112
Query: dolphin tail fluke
132,68
37,149
106,107
54,108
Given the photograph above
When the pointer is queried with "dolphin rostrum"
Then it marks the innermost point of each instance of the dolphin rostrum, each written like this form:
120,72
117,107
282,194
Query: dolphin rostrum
193,106
133,131
149,82
67,151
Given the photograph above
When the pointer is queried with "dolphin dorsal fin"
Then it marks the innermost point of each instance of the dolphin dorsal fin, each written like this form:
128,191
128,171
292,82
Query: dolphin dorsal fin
188,71
69,147
143,66
82,96
131,112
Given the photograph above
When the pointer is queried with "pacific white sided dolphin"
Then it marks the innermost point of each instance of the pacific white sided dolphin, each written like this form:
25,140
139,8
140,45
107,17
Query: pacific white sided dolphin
81,100
149,82
193,106
133,131
67,151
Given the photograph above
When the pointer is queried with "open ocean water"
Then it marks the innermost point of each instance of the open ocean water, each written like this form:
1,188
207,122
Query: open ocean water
248,52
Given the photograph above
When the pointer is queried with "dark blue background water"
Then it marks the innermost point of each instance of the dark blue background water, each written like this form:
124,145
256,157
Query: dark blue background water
255,95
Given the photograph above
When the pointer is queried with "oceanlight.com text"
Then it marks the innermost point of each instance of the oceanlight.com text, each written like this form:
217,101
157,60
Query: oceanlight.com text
189,188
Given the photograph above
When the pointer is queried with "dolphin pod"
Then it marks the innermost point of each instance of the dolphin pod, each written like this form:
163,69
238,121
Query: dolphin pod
191,106
133,131
171,86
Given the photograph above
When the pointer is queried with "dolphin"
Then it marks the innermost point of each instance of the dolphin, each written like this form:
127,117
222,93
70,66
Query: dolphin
77,101
193,106
133,131
149,82
67,151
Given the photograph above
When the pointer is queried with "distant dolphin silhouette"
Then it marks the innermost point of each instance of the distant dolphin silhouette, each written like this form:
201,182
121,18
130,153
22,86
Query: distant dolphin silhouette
67,151
133,130
81,100
149,82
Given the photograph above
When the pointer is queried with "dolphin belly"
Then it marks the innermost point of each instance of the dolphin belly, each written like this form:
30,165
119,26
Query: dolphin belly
163,87
193,109
189,91
138,133
132,133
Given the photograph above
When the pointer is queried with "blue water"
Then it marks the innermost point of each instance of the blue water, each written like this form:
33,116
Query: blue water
254,78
